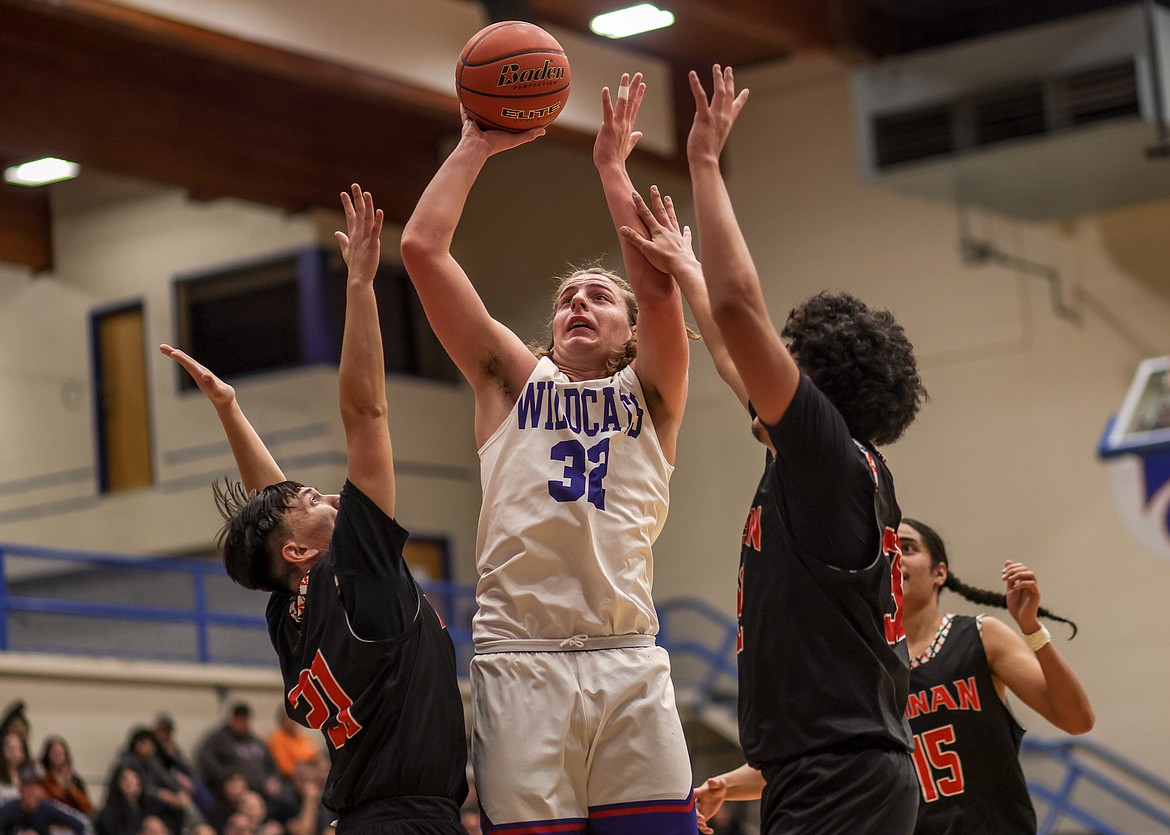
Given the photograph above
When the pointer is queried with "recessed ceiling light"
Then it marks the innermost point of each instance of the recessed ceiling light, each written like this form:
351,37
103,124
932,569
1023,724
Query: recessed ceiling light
40,172
632,21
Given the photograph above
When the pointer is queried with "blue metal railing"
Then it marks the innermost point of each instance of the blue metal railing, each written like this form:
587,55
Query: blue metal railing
690,628
1082,761
454,602
199,615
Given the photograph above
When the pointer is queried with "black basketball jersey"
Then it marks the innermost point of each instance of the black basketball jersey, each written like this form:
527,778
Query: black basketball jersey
967,743
371,665
823,663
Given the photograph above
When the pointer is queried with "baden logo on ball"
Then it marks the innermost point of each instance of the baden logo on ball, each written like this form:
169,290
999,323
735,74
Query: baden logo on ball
512,76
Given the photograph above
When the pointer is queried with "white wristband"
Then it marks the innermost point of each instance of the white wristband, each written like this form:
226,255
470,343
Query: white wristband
1039,639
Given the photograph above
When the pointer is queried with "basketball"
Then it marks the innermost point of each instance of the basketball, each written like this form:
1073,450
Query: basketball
512,76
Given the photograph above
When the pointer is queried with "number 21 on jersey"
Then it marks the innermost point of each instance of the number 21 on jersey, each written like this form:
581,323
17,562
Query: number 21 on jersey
324,697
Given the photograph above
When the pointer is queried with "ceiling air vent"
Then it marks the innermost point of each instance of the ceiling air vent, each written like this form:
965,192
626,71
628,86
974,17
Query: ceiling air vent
913,135
1040,122
1102,94
1009,114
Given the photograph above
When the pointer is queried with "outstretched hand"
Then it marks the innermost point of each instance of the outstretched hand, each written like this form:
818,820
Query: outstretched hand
616,138
666,245
218,392
361,244
714,118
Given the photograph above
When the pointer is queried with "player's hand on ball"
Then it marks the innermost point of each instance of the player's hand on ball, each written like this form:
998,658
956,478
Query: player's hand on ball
217,391
495,141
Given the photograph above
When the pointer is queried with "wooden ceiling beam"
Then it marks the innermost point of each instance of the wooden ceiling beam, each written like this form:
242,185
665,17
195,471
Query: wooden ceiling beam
173,35
155,99
787,26
25,227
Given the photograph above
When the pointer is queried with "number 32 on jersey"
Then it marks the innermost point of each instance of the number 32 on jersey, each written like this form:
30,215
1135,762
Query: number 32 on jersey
584,472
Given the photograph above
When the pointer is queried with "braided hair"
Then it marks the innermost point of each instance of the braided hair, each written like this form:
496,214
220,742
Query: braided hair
983,597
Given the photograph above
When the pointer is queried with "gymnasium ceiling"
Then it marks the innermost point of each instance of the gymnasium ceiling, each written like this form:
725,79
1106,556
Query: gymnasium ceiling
134,94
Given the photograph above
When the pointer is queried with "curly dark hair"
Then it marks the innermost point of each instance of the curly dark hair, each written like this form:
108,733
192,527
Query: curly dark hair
938,554
861,360
246,539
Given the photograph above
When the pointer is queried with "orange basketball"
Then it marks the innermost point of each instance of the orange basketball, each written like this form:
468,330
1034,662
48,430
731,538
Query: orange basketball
512,76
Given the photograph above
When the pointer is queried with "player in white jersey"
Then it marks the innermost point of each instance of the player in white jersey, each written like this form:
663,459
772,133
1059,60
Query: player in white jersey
603,582
575,726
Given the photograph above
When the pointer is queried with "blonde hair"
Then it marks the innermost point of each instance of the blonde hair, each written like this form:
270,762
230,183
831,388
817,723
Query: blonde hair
626,354
621,357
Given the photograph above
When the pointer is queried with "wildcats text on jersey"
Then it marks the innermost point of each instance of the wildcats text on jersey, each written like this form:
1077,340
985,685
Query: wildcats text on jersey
587,411
961,694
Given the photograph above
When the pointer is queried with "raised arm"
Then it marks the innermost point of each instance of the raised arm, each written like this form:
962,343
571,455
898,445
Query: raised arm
361,378
258,469
667,246
1042,679
663,350
769,373
490,356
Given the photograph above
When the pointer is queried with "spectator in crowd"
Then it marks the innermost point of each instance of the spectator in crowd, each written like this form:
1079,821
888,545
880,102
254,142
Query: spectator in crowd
312,816
127,805
61,782
152,825
253,805
239,824
13,755
290,745
169,796
176,762
234,747
14,719
33,812
226,803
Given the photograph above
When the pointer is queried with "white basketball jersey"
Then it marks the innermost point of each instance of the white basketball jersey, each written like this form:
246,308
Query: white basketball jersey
575,491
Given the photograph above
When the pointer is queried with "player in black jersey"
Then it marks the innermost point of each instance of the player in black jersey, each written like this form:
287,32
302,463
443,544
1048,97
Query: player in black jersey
823,664
364,657
967,741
